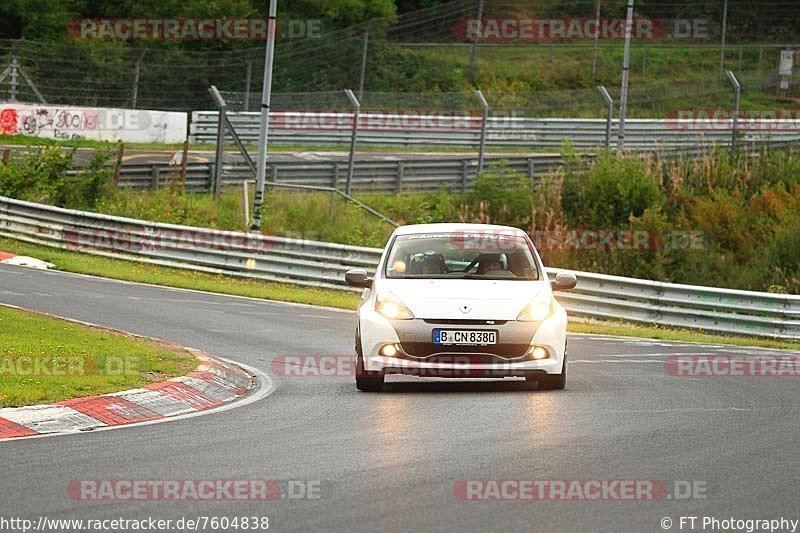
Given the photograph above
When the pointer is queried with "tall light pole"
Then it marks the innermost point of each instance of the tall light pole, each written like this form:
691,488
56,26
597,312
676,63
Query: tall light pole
626,67
266,94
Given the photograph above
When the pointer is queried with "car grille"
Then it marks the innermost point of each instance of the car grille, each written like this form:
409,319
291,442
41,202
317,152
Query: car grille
491,354
463,322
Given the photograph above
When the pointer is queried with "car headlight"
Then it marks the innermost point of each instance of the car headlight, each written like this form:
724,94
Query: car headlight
391,307
536,311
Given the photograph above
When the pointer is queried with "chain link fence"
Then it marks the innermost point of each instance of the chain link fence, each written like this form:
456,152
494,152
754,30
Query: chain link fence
424,56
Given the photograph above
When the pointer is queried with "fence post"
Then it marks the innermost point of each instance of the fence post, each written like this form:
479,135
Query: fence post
644,63
247,77
485,119
722,42
473,56
400,176
220,154
363,64
609,116
596,39
737,88
353,139
136,71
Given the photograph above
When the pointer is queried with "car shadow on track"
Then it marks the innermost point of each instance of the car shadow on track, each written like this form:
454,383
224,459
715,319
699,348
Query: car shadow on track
460,386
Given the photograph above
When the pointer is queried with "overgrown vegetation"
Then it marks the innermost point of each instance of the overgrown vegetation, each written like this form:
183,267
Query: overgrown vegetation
43,177
706,220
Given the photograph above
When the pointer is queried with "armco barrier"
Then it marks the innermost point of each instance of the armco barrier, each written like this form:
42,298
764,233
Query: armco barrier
458,174
585,133
324,264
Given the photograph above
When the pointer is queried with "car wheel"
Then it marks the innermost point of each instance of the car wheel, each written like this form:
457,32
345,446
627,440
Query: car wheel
553,381
366,381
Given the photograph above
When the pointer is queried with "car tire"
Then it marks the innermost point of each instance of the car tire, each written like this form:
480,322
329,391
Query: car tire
553,381
366,381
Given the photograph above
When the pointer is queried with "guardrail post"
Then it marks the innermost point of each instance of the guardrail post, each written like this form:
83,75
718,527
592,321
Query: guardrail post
485,108
400,176
353,138
737,88
154,177
531,170
273,172
610,115
118,162
184,163
464,165
335,180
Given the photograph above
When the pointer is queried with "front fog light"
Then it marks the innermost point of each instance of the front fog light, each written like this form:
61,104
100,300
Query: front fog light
388,350
539,353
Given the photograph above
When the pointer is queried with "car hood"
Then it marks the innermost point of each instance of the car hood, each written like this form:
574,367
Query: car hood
467,299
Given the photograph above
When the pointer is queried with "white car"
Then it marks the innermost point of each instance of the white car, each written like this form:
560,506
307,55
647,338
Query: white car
460,300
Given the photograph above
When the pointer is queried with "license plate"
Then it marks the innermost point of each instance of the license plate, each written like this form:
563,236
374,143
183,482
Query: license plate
465,337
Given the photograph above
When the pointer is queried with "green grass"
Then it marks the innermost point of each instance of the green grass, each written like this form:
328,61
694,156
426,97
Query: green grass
142,272
45,360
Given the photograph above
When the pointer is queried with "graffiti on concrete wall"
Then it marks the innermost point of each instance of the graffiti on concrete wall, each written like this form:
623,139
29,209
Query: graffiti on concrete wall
57,122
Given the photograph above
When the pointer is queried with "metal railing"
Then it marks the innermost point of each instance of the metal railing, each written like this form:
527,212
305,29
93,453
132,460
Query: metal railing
640,134
323,264
376,176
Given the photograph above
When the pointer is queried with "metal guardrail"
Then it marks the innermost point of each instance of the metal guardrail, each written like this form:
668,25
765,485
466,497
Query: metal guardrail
323,264
375,176
640,134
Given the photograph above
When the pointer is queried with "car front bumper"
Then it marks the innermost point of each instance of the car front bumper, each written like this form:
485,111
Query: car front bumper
418,356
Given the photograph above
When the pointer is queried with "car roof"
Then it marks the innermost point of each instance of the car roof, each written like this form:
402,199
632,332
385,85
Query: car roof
453,227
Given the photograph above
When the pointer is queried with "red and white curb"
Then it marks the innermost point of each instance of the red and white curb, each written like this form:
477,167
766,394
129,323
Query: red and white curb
23,260
213,384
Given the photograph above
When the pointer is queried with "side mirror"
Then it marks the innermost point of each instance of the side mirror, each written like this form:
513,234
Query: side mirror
564,281
358,278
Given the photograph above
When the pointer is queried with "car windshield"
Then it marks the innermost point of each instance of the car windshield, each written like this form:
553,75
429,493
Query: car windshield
462,255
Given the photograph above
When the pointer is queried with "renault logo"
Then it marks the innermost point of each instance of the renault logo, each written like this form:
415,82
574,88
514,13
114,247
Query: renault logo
465,308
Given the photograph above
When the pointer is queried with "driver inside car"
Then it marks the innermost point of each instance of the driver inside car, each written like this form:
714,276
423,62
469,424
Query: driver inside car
489,265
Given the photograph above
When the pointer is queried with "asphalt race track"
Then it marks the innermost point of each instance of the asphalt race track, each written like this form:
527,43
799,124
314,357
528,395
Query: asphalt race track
390,461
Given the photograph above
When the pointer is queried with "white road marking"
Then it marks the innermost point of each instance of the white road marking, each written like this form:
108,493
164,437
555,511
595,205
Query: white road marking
662,354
